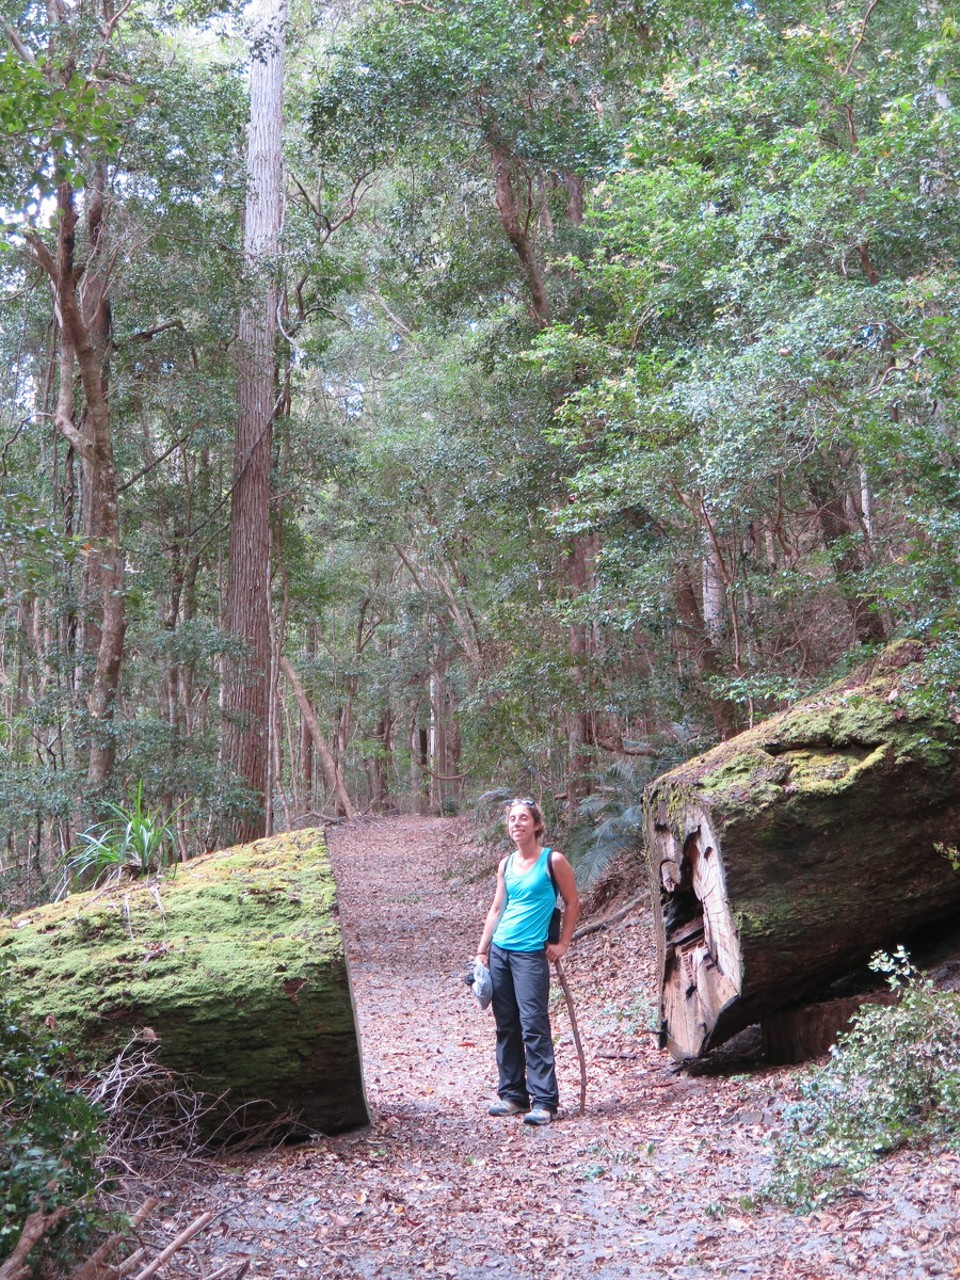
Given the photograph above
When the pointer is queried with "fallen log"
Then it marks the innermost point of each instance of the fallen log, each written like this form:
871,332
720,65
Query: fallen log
809,1031
233,967
783,858
35,1227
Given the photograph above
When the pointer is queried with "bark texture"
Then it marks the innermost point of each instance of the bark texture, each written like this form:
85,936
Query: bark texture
246,694
784,858
235,964
81,305
331,770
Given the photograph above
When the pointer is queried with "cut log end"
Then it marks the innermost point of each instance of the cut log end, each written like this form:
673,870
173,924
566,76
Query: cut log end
701,965
782,859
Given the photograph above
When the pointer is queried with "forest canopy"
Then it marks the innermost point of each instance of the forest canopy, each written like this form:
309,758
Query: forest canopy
608,400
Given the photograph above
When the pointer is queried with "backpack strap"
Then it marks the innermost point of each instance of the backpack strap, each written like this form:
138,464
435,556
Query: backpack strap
556,916
553,878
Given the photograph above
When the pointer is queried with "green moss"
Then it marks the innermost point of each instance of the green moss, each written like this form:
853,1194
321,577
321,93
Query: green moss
823,746
236,961
824,818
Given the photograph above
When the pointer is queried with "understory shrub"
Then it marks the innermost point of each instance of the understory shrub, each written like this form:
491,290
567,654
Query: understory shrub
49,1138
893,1079
609,820
134,840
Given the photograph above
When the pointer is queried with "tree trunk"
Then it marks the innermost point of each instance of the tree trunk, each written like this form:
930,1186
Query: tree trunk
706,660
714,595
439,766
580,726
782,859
848,561
306,764
331,770
246,692
380,763
422,796
84,317
518,219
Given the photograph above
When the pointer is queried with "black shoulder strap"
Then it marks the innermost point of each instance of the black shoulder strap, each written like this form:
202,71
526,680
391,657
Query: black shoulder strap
556,887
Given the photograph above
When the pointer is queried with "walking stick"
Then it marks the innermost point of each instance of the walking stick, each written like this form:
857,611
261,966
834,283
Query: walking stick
576,1034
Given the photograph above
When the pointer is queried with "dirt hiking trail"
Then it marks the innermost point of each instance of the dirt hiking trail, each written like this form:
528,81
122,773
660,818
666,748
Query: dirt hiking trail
661,1178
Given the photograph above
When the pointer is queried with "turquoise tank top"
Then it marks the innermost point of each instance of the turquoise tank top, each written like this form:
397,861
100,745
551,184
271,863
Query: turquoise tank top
530,902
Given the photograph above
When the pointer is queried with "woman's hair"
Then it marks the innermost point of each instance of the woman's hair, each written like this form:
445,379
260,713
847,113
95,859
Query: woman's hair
539,826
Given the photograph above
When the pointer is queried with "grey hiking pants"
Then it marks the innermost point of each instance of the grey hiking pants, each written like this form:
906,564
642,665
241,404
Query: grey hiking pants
521,990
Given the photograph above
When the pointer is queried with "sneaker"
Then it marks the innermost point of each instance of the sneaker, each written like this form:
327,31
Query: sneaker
539,1115
505,1107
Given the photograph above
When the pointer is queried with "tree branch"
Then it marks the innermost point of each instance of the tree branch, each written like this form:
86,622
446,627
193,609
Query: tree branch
144,335
73,436
43,254
155,462
36,1226
871,5
354,201
194,1228
418,581
22,50
111,26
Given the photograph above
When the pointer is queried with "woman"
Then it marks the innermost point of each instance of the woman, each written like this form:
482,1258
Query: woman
514,947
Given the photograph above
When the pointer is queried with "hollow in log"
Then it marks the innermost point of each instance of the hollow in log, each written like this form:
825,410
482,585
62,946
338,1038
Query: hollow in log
811,1030
785,857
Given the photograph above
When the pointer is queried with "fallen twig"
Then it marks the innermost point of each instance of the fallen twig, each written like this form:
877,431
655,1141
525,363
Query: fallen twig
595,925
128,1264
91,1268
35,1228
188,1233
223,1272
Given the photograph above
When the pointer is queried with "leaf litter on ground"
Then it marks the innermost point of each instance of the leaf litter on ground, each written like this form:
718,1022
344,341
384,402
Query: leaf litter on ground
662,1177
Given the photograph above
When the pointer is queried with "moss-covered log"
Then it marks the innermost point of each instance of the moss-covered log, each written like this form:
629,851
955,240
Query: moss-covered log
235,962
783,858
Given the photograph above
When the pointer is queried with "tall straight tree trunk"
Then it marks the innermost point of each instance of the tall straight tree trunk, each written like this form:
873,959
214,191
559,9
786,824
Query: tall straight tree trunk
246,691
81,302
705,659
103,498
